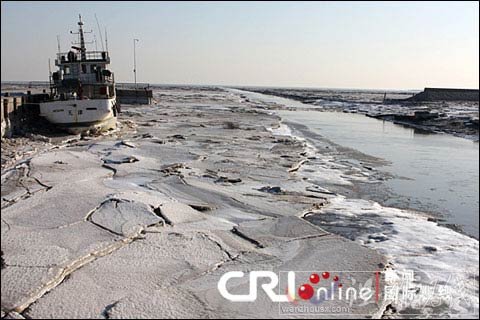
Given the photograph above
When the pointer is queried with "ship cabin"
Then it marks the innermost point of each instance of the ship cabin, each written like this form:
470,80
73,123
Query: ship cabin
83,75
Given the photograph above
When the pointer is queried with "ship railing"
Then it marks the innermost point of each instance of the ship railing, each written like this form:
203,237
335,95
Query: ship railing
33,84
67,57
124,85
105,82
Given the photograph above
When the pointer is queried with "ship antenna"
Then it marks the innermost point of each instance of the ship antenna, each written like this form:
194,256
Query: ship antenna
106,43
58,43
50,78
100,32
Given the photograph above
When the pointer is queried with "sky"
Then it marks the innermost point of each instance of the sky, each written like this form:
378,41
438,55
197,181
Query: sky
370,45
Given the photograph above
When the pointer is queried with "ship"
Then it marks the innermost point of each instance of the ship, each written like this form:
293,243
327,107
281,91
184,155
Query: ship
82,92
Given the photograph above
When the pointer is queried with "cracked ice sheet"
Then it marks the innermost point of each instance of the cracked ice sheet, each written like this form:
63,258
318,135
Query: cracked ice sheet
64,167
178,213
302,255
134,275
269,231
124,217
141,195
107,280
167,303
76,180
247,192
60,206
42,252
46,233
150,155
228,204
16,184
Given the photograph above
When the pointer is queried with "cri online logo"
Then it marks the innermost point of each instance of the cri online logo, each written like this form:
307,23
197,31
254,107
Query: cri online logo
306,291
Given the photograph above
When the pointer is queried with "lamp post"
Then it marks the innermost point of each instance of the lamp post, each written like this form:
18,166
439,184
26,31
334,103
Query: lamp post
135,64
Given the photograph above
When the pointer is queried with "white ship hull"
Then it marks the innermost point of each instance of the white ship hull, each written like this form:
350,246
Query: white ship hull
81,115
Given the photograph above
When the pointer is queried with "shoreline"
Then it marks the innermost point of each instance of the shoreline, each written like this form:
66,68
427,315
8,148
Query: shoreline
359,161
375,190
367,162
387,217
358,192
355,102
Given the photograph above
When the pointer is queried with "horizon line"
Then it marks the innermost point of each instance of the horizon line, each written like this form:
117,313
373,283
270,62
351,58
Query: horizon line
261,86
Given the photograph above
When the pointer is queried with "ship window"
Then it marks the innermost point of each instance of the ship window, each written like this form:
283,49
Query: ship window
84,68
91,108
80,111
93,68
67,70
58,110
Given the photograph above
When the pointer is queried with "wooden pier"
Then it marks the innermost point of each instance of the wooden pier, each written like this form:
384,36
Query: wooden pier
19,112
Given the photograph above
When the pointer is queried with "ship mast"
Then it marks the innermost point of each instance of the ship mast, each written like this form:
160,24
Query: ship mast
82,39
82,49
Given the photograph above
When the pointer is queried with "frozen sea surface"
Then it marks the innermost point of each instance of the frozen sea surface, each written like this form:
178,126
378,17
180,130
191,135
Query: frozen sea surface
440,259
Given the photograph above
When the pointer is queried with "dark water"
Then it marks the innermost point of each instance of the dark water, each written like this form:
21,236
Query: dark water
442,171
439,171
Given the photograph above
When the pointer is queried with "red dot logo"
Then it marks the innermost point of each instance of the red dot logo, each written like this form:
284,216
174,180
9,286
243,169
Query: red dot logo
335,278
305,291
314,278
326,275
